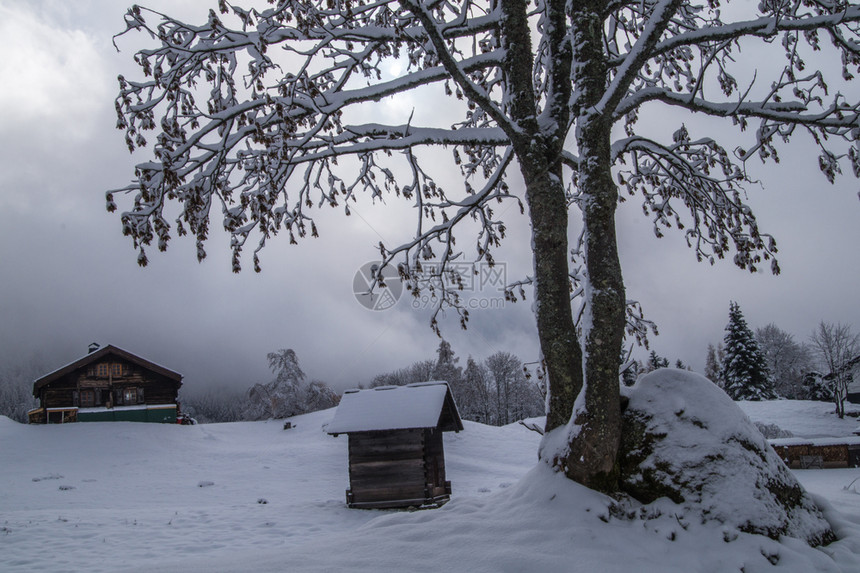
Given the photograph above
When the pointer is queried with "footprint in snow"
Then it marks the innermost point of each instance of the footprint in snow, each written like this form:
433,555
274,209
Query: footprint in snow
49,476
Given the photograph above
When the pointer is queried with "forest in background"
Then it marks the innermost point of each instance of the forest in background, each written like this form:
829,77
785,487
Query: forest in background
766,363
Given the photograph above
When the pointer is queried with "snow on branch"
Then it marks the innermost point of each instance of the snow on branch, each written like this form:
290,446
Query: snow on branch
264,146
261,116
702,176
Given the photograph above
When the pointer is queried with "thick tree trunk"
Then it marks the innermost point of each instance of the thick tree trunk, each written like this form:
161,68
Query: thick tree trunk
559,344
539,156
589,427
594,435
594,442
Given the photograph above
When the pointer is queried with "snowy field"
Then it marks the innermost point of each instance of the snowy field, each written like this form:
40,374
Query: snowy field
106,497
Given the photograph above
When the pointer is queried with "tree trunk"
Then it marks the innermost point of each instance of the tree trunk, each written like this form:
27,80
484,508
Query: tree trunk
539,156
588,446
559,344
594,436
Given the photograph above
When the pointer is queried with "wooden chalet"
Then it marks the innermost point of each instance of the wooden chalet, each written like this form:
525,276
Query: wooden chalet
108,384
396,453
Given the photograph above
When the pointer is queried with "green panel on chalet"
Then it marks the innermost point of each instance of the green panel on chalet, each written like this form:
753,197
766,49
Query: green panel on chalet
159,414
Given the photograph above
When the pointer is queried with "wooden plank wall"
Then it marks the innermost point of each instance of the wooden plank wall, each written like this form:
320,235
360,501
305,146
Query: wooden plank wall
386,466
832,456
434,462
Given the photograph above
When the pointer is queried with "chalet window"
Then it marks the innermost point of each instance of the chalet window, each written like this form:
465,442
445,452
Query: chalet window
87,398
132,395
105,369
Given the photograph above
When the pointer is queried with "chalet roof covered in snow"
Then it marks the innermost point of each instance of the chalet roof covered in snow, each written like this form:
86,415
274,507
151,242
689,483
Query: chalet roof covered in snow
421,405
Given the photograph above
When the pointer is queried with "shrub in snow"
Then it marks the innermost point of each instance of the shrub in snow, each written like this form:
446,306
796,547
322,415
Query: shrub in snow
685,439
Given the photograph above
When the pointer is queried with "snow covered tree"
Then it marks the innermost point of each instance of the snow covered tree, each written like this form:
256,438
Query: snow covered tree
504,368
838,351
16,386
713,367
786,360
815,387
515,397
215,406
631,372
655,361
421,371
446,367
744,368
318,396
260,115
288,394
475,400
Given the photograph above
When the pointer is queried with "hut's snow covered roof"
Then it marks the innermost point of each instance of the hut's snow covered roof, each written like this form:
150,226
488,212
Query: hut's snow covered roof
421,405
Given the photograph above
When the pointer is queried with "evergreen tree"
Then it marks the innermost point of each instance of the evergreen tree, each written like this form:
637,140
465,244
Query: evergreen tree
815,387
744,367
656,361
631,373
446,368
713,366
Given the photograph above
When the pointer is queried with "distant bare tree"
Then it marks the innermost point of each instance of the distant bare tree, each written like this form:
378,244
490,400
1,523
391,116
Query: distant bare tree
421,371
515,396
476,402
215,406
786,360
838,351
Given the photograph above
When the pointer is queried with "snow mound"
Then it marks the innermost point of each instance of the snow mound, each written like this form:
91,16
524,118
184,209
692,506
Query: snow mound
685,439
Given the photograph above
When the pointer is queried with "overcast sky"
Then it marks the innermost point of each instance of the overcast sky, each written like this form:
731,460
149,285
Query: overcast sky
69,277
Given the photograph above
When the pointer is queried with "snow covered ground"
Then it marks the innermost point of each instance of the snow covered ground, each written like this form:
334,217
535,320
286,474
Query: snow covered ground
804,418
127,496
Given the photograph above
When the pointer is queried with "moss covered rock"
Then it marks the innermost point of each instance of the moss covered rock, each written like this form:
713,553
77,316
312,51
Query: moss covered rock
685,439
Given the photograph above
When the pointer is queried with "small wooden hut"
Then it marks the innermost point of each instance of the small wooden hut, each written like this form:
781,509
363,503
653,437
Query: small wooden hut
818,453
108,384
396,453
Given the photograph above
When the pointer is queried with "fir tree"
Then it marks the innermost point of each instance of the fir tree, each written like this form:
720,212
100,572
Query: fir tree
744,368
713,366
446,367
815,387
656,361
